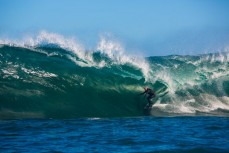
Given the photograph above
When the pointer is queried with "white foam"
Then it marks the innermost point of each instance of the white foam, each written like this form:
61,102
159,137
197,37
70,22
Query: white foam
216,102
45,38
38,73
114,50
203,103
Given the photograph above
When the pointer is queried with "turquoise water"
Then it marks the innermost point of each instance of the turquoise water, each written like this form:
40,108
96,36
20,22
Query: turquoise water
140,134
49,81
56,97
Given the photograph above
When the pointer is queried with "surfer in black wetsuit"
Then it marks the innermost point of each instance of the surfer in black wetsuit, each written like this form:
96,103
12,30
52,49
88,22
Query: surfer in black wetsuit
151,95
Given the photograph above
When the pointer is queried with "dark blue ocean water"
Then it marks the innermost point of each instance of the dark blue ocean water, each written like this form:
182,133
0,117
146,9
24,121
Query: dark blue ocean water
141,134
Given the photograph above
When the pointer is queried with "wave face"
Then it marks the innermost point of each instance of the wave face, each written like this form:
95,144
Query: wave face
50,79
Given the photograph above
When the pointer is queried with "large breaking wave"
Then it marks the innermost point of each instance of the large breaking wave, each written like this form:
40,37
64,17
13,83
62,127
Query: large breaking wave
50,76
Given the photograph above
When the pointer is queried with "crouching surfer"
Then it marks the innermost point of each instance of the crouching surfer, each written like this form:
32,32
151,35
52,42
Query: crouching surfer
151,95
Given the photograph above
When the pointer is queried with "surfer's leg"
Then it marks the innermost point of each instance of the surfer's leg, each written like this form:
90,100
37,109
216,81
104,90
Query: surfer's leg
149,98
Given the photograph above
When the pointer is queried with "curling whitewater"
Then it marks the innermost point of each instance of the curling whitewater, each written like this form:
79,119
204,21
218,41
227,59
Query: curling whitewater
50,80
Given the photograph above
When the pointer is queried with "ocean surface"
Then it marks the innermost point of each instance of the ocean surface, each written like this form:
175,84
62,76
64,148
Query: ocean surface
56,96
140,134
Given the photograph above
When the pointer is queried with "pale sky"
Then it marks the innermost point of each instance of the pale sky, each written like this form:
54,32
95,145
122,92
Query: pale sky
153,27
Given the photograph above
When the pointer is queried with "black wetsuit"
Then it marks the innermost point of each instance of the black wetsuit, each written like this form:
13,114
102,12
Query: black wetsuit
151,95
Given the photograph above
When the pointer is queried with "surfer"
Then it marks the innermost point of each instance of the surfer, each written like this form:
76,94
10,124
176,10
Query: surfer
151,95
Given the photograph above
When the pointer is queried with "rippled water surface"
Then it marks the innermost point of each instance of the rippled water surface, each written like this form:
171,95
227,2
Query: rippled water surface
141,134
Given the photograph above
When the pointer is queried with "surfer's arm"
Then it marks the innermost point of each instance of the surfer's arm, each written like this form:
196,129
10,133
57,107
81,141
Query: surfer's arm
143,93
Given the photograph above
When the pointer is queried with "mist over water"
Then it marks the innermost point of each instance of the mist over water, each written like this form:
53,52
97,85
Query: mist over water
50,76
